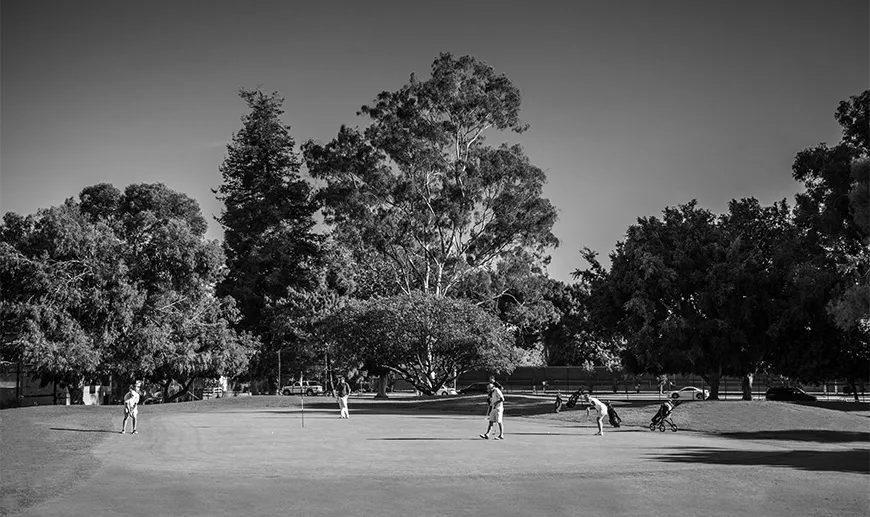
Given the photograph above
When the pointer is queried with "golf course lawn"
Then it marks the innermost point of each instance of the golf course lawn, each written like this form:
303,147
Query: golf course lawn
267,456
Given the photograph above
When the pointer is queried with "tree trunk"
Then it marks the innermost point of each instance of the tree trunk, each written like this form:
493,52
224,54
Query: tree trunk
76,393
854,389
166,386
382,386
746,385
713,380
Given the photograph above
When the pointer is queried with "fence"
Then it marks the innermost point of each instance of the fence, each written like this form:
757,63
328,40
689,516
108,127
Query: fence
568,379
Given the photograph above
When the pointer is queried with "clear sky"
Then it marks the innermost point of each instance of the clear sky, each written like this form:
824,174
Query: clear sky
633,105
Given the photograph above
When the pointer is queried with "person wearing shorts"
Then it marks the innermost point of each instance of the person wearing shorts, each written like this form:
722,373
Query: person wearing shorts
600,407
495,413
131,409
342,392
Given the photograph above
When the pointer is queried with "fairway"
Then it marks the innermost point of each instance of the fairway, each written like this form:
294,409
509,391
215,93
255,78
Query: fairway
247,460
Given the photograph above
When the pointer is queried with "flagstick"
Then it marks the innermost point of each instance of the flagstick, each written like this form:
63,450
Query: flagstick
303,410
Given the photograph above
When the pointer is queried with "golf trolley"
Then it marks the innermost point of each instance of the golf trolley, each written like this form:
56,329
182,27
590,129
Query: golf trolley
662,417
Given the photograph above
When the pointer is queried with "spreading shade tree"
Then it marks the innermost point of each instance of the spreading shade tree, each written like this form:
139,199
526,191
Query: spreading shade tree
760,288
427,340
121,284
695,293
829,324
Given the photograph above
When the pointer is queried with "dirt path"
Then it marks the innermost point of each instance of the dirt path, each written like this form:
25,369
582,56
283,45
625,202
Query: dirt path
262,461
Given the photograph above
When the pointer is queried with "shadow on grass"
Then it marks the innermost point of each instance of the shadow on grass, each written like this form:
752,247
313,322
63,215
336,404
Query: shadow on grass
422,439
546,434
846,406
849,461
83,430
808,435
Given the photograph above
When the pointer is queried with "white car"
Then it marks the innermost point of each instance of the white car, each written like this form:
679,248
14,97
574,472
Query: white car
445,391
305,387
689,393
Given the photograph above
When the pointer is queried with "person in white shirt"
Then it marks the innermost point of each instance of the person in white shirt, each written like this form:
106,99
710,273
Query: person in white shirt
600,407
131,410
495,413
342,393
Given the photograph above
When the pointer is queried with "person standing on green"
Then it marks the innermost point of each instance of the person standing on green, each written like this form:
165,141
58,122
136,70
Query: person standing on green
342,392
496,412
131,409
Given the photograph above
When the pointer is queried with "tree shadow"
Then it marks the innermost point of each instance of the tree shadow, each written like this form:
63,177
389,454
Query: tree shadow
845,406
803,435
843,460
83,430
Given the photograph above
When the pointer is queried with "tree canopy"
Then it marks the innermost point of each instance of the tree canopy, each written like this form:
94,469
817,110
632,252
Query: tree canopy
424,339
419,186
268,218
117,283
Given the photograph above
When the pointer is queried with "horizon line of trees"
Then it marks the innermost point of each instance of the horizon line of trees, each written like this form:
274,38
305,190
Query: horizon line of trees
433,262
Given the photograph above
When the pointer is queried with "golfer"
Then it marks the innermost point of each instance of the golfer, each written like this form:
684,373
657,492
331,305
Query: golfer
495,413
131,410
342,391
600,407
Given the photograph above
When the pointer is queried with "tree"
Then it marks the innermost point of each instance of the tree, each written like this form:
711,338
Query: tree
66,296
419,187
693,292
834,276
575,338
268,218
759,248
121,284
426,340
183,330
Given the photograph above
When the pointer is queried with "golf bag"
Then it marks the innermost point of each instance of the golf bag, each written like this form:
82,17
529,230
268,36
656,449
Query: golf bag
572,400
615,421
663,415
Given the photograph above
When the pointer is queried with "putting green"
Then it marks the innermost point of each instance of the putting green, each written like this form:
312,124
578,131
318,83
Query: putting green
258,461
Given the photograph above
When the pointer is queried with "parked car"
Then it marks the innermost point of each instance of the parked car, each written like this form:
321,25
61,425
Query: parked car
689,393
445,391
783,393
475,387
309,388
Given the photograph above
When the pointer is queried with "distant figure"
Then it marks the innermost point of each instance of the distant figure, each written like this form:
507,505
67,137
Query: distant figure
342,391
495,382
558,401
544,386
495,412
602,411
663,381
131,410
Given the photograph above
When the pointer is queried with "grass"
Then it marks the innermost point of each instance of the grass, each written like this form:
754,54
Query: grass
46,450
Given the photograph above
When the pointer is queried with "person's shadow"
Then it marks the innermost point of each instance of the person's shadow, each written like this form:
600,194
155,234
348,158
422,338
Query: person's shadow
82,430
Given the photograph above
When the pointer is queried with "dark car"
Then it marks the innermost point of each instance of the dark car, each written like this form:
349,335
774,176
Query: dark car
788,394
476,387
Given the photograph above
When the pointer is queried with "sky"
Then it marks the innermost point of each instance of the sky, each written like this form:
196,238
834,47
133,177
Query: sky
633,106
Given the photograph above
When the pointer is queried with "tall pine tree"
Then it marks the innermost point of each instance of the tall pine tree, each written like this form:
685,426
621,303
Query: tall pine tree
268,218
